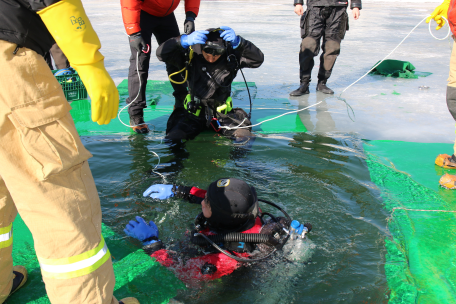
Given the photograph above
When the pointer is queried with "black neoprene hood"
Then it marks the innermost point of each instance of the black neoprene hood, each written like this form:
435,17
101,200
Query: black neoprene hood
234,205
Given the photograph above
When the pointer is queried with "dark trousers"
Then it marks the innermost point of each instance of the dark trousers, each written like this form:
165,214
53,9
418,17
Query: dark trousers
163,28
329,23
60,60
184,125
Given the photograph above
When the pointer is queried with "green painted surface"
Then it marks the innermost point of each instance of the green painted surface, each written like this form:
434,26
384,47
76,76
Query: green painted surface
136,273
160,103
420,264
285,124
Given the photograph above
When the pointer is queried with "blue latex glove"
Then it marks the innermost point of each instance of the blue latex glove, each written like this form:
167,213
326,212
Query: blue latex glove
197,37
230,36
159,191
140,230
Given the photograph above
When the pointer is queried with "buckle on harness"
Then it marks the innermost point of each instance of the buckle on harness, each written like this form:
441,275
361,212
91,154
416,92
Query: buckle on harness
192,106
227,107
218,122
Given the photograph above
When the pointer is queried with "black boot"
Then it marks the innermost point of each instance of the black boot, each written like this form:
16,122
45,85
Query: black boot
321,86
303,89
138,124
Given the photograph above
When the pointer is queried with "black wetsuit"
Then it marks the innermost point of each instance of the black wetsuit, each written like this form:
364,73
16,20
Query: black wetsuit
211,84
327,19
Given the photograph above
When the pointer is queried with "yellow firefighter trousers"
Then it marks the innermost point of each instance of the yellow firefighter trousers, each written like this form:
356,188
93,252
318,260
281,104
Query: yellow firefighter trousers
44,175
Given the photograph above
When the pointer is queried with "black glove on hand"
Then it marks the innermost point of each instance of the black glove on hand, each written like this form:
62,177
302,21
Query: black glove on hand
137,42
189,24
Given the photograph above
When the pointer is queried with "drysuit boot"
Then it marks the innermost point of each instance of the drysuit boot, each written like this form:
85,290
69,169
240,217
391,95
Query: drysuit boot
19,278
303,89
138,124
448,181
321,86
129,301
446,161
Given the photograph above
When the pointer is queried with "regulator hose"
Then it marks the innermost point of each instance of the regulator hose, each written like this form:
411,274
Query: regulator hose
235,237
231,255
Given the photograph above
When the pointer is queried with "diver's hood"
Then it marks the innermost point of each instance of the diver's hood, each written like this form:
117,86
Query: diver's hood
214,41
234,205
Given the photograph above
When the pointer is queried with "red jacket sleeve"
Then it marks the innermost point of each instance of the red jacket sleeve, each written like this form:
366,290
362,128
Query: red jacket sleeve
198,192
131,11
192,6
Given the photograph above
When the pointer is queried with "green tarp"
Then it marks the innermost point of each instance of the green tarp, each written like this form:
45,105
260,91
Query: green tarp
398,68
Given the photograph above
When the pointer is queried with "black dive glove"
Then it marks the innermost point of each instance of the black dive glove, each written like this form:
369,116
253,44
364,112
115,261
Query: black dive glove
137,42
189,23
181,191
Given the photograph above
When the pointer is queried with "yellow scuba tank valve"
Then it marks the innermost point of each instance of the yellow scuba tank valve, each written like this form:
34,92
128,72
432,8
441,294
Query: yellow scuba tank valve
190,57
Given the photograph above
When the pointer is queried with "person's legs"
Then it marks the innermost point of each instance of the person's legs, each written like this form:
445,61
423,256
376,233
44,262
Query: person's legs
167,29
312,28
137,77
44,166
7,214
61,61
445,160
336,25
237,117
184,125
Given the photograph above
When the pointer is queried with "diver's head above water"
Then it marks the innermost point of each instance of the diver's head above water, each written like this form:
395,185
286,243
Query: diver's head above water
230,205
213,41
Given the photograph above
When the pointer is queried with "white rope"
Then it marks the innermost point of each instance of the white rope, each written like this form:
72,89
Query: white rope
251,126
396,48
449,30
153,170
137,95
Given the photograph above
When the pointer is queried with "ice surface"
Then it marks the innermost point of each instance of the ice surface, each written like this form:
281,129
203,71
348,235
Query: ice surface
385,108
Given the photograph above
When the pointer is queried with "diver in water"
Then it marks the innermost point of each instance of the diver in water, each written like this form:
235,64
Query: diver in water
230,230
211,60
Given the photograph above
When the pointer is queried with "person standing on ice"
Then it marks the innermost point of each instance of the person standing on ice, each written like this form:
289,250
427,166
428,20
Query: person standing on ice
448,10
142,19
44,174
327,19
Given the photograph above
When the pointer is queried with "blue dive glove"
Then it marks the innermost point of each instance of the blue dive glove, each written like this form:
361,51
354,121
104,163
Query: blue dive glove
197,37
142,231
159,191
230,36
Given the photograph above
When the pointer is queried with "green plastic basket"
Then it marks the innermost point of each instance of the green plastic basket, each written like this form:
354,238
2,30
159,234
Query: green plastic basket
72,86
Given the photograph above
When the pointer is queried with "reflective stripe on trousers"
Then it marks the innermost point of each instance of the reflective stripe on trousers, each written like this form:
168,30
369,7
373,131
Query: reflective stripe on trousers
6,236
76,266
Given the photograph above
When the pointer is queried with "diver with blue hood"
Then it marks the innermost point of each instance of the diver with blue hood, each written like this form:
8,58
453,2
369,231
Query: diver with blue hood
230,231
210,61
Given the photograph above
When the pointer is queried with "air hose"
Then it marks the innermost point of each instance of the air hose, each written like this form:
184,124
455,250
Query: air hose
235,237
190,56
231,255
244,237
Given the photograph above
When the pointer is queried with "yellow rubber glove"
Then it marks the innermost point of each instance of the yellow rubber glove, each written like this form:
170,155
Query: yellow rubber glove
439,11
67,22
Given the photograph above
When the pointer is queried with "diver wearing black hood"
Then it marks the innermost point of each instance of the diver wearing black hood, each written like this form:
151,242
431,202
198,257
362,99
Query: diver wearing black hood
230,229
211,60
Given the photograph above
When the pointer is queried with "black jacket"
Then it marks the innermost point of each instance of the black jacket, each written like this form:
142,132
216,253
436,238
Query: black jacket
218,85
20,24
353,3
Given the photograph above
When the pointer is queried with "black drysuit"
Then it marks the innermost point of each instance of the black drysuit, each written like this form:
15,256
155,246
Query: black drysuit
211,84
327,19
